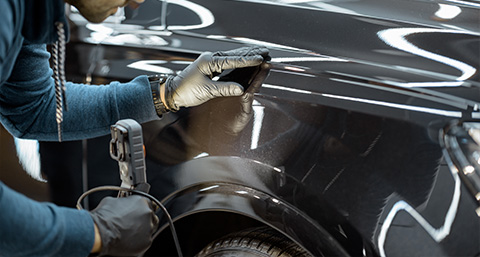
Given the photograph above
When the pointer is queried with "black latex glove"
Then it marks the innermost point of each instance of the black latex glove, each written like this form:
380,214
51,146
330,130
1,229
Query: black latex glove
194,85
126,225
230,116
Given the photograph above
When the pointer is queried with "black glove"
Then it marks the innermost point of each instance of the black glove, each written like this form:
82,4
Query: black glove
231,115
126,225
194,85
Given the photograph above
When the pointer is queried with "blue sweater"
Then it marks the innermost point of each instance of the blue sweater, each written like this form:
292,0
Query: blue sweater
27,110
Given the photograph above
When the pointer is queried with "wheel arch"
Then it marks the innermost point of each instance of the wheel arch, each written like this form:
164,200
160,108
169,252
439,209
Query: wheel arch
222,207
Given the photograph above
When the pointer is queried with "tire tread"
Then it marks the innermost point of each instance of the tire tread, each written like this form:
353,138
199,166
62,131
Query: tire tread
262,241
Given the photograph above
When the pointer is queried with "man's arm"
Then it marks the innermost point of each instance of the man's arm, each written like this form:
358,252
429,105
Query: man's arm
28,101
30,228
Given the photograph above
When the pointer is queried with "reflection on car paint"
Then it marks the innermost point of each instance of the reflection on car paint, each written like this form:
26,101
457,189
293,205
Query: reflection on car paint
294,90
336,121
308,59
258,113
151,66
438,234
447,11
206,17
469,3
453,114
397,38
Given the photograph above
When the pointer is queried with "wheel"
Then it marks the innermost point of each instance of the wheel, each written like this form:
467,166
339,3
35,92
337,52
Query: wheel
256,242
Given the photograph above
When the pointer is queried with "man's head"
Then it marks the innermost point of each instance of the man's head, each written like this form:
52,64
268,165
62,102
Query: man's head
98,10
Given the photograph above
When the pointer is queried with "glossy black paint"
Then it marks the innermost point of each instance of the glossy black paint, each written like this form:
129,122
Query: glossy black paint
339,148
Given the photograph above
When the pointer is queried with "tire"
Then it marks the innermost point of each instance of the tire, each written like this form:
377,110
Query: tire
256,242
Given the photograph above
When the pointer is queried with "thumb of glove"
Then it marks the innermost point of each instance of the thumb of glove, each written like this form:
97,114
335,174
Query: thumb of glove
226,88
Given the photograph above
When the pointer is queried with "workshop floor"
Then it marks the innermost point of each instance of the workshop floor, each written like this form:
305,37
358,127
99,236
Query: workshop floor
13,175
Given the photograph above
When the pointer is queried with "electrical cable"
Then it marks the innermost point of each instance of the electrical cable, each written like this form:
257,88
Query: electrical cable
133,191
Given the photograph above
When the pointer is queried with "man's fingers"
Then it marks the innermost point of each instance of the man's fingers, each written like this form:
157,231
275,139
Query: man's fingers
259,78
244,51
225,88
221,63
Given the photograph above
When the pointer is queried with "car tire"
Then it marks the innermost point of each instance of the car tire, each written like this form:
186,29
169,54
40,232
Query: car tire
256,242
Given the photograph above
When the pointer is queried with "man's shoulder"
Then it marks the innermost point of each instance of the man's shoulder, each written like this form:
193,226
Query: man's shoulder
11,23
11,14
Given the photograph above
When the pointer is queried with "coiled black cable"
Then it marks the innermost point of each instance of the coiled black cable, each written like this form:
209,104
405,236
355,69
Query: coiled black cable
133,191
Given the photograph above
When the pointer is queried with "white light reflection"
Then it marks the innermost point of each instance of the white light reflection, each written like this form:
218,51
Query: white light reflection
368,101
258,114
332,8
206,17
432,84
287,89
297,1
99,28
476,156
437,234
289,70
469,3
111,29
266,44
121,34
309,5
447,12
397,38
151,65
277,169
468,170
242,192
181,62
295,69
208,188
201,155
398,106
308,59
474,131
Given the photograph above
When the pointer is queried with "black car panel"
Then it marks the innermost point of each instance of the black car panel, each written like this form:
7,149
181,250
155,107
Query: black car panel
341,150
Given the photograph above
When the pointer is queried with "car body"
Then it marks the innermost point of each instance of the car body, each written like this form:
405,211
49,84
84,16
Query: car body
348,147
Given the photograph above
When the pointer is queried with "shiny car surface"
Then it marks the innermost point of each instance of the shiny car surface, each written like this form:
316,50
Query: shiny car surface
361,140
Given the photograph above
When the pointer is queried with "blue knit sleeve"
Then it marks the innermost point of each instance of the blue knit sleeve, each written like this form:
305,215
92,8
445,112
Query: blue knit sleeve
27,101
30,228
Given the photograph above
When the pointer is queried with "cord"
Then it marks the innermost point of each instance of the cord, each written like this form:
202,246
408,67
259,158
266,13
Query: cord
58,50
133,191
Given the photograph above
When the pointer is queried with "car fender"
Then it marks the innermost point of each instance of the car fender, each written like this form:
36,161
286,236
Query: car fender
249,188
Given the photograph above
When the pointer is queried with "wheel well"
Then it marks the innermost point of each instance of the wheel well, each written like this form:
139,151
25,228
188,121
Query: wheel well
197,230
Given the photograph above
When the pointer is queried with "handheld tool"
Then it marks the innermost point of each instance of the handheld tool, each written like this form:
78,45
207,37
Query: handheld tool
126,147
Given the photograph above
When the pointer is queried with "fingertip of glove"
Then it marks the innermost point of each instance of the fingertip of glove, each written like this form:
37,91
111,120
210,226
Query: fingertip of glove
257,59
237,91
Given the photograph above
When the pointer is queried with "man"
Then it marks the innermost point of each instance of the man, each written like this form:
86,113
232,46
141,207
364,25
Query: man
31,106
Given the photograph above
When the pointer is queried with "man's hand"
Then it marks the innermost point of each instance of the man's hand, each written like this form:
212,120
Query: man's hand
194,85
126,225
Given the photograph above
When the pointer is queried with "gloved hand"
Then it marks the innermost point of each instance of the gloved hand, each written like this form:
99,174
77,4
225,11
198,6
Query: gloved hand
194,85
126,225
